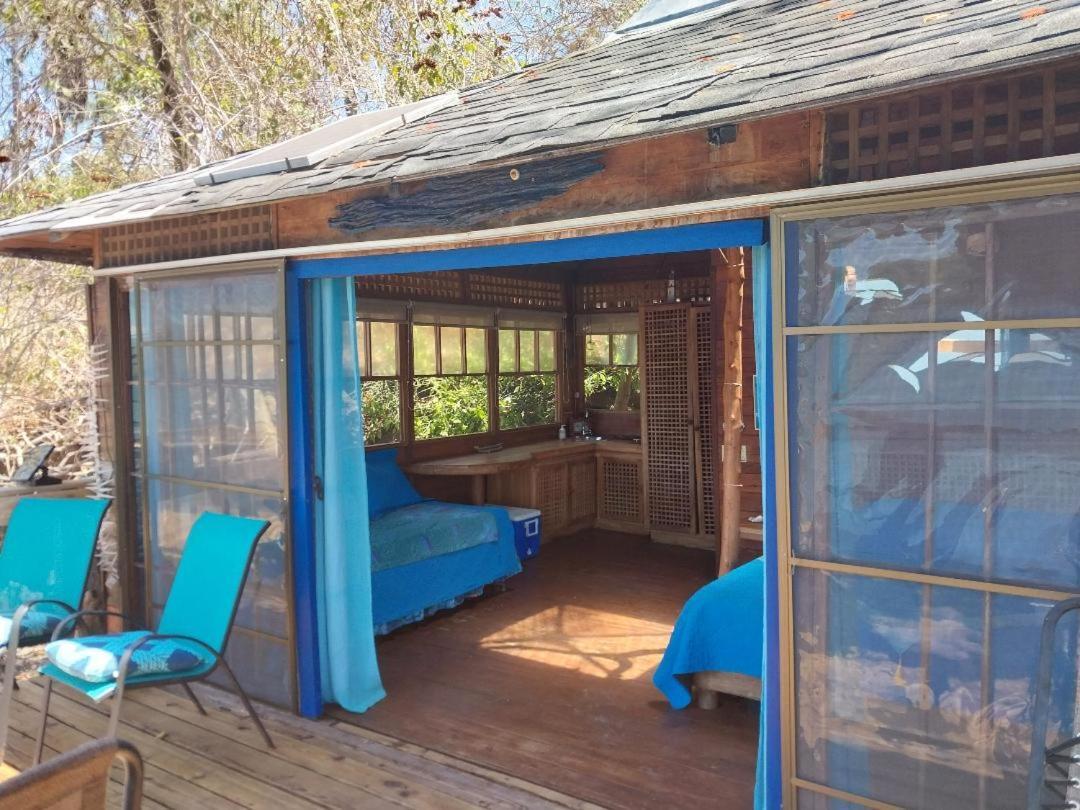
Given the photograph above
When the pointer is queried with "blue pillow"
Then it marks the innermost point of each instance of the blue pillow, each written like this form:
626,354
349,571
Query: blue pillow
388,488
97,658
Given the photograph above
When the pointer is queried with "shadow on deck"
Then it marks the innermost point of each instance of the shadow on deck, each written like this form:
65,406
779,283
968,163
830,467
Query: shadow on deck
219,761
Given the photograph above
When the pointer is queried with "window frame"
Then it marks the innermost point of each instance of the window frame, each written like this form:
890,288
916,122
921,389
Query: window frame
537,371
610,334
364,323
438,326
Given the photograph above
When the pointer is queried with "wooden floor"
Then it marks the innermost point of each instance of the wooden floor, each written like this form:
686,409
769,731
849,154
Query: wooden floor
551,682
218,761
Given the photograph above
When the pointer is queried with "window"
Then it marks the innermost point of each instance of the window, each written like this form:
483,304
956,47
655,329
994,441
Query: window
528,389
611,372
380,374
450,394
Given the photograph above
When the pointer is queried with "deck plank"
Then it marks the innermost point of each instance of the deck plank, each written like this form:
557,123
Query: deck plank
218,761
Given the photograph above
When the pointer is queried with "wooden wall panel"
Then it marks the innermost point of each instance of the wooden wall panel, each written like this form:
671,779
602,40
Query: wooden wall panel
768,155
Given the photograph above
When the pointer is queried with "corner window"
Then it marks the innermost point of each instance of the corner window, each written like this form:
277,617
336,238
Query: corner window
527,385
450,394
611,372
380,375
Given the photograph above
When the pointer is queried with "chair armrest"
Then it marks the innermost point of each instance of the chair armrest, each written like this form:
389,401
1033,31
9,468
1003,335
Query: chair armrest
82,614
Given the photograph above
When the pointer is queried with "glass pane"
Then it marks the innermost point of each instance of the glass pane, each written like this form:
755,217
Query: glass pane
937,452
476,350
173,509
596,350
384,349
624,349
507,350
992,260
452,338
527,349
526,400
361,345
423,349
236,307
381,411
614,388
217,428
450,406
917,695
547,350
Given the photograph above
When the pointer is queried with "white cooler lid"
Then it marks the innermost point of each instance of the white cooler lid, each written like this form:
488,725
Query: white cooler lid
518,513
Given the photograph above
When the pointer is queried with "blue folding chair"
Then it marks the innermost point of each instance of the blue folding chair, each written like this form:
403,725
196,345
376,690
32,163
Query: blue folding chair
191,637
44,567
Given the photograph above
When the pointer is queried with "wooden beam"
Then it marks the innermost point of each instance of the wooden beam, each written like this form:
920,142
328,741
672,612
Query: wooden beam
733,265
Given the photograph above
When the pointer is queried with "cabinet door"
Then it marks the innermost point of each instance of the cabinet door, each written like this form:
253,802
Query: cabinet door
551,488
666,400
702,398
620,501
582,475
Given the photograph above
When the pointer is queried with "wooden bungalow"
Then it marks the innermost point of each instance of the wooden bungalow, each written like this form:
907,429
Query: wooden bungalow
808,270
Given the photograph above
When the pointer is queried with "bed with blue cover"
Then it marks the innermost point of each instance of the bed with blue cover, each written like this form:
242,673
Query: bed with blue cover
426,555
720,629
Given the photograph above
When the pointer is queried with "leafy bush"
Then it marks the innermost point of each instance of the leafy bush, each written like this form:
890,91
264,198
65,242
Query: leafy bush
613,388
526,400
382,412
450,406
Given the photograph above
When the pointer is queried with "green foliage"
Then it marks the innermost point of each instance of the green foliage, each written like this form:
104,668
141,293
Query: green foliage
612,388
525,400
382,411
450,406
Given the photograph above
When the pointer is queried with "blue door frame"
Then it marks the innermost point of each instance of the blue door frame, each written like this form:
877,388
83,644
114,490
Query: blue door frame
710,236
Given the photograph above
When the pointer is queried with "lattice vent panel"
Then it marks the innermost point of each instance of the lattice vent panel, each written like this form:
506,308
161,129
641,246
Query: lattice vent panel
621,491
629,296
551,489
667,415
484,288
444,286
235,230
704,418
582,490
979,123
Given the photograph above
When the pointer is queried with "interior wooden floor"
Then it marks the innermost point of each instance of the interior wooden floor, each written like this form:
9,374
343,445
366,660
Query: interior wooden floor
219,763
551,681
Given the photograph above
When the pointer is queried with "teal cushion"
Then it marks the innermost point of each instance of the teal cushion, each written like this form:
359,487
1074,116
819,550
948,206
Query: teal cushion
388,488
97,658
37,624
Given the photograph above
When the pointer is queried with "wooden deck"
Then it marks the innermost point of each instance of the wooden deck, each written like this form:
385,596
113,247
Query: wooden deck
219,762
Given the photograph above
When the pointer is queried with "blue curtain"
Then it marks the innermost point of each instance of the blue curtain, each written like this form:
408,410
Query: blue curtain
350,672
767,787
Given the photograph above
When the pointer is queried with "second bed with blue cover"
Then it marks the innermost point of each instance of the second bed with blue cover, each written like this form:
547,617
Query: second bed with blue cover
720,628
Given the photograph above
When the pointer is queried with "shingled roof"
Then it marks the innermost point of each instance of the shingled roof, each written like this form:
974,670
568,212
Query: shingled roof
744,60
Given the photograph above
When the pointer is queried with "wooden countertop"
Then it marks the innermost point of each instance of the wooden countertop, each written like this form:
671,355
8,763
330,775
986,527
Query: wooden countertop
503,460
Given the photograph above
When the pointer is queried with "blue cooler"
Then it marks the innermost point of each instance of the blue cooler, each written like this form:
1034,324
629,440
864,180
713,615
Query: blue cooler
526,530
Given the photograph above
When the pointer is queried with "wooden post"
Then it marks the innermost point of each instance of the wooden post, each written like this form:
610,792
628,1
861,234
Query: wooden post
734,268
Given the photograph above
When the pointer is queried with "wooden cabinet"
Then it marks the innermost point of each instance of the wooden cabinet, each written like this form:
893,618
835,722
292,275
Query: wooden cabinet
565,493
620,491
677,396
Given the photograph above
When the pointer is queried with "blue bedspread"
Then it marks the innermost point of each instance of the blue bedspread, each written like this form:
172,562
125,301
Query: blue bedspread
720,628
428,529
410,592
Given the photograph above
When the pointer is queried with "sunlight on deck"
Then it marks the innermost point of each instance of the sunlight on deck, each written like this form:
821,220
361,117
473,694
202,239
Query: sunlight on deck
584,640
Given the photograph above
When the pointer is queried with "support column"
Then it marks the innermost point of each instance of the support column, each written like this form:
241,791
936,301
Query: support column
733,269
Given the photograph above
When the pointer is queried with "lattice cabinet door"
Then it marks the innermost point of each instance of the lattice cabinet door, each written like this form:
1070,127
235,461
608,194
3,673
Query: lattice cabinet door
702,389
620,493
666,400
551,488
582,491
